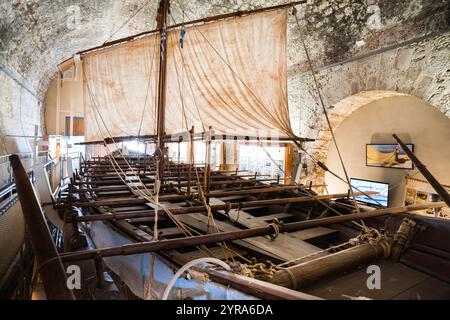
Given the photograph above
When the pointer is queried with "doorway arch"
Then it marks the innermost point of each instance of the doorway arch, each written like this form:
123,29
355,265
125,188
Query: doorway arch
371,118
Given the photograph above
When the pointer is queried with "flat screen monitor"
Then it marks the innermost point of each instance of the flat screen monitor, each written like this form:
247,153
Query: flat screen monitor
380,199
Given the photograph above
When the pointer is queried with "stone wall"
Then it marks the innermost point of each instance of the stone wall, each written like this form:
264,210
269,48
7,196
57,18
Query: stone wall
35,36
20,110
421,69
354,46
374,122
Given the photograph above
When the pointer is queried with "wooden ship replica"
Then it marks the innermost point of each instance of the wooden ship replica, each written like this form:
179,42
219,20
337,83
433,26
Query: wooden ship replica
143,226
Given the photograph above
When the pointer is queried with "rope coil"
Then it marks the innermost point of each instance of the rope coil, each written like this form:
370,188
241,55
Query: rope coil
276,230
292,278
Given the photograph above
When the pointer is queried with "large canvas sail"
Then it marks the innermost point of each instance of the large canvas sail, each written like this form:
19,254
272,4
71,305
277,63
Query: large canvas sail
229,75
120,89
233,75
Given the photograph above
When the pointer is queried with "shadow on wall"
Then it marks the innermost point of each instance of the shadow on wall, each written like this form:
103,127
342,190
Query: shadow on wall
413,120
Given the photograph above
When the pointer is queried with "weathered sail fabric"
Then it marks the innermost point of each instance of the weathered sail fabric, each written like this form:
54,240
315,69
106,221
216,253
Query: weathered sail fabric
230,75
120,89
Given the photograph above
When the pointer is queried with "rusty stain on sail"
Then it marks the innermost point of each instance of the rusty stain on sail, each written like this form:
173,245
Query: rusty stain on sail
230,75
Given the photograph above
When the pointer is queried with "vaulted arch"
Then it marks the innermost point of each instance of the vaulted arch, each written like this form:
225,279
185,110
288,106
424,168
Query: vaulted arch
371,118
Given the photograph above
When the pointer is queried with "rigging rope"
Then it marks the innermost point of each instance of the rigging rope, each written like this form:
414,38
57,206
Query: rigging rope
288,132
147,194
134,189
148,88
305,190
316,83
199,186
154,198
128,20
266,112
236,75
367,235
322,166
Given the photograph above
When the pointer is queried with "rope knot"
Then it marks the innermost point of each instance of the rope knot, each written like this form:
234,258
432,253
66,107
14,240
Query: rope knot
280,224
277,228
228,209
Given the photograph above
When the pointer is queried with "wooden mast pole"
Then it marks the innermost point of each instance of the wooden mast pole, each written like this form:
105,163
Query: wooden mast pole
163,12
50,267
424,171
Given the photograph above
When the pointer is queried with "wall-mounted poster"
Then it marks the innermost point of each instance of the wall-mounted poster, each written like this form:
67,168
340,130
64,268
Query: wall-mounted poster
421,192
388,156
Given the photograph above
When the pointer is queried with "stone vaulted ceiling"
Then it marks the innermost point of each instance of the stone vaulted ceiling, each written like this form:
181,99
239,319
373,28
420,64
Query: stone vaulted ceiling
37,34
342,36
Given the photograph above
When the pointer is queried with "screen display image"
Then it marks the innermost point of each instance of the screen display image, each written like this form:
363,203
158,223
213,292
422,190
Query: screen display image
380,199
388,156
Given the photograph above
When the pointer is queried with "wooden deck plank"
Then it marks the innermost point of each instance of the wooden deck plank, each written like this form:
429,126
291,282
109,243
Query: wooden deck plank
307,234
283,248
261,245
132,208
317,233
170,232
249,221
430,289
396,278
218,252
232,198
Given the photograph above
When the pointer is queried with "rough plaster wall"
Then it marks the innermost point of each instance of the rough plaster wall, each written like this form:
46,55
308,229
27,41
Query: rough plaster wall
19,112
413,120
37,35
421,69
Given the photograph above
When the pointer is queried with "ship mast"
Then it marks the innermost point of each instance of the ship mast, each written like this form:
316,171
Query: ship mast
161,19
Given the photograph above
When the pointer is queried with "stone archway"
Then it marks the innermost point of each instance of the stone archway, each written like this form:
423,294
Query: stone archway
340,111
352,106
